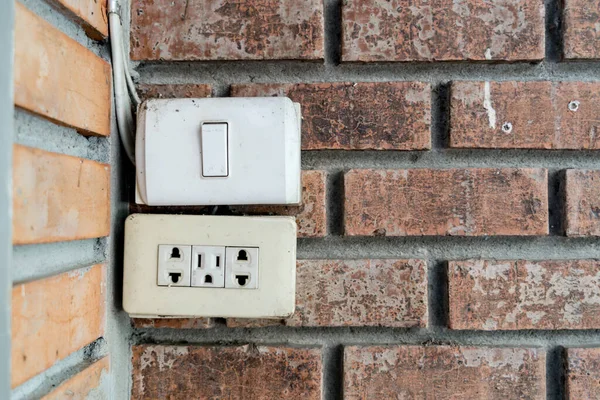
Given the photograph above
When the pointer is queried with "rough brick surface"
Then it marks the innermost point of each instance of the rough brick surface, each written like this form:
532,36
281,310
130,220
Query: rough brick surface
149,91
583,374
311,215
581,29
90,14
462,202
58,197
91,383
356,293
443,372
509,295
538,115
53,317
357,116
422,30
224,30
582,203
244,372
58,78
173,323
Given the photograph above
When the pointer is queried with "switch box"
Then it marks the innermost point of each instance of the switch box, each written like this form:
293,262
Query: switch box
209,266
216,151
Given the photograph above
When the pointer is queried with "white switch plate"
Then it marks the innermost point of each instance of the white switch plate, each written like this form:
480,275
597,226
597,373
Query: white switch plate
274,239
262,151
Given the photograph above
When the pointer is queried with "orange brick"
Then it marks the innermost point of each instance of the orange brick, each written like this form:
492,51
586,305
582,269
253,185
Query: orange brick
82,385
53,317
582,202
58,78
90,14
58,197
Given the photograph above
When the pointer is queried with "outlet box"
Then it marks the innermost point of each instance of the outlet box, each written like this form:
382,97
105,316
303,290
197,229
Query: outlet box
251,261
215,151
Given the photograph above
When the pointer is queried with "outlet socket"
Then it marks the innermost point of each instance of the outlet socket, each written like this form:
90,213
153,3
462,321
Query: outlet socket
174,265
242,267
208,266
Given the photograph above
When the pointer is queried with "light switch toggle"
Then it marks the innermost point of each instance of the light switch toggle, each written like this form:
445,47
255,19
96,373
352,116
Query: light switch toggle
215,149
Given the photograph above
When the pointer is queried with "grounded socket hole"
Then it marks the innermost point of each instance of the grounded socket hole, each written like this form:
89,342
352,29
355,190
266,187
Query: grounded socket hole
174,277
208,279
242,280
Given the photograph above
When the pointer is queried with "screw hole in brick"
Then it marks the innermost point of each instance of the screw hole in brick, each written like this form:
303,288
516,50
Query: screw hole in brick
507,127
574,105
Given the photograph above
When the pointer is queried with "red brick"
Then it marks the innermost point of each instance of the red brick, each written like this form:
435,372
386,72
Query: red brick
243,372
172,91
424,30
357,116
537,115
583,374
510,295
90,14
460,202
581,29
356,293
224,30
173,323
311,215
582,203
443,372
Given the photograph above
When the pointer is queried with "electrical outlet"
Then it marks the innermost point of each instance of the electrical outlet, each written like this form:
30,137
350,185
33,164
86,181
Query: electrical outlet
251,262
208,266
174,265
242,267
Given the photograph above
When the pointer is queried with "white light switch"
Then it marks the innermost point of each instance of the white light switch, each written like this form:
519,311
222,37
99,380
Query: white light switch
217,151
215,157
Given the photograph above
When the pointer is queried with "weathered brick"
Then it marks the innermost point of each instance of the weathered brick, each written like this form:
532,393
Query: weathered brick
172,91
356,293
581,29
583,374
461,202
357,116
509,295
173,323
58,78
58,197
90,14
88,384
243,372
311,215
443,372
582,203
537,115
422,30
223,30
53,317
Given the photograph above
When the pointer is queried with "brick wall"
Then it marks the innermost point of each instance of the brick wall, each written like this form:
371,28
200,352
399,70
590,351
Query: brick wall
448,234
61,201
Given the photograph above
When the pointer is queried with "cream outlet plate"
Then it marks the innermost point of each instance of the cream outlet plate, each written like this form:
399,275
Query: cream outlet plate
270,247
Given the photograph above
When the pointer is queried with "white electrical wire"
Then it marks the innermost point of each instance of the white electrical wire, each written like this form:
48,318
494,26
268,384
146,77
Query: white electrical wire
123,106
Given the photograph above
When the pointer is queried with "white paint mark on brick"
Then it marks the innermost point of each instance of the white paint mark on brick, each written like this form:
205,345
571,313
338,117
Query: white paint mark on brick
487,104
